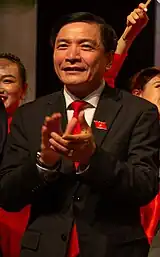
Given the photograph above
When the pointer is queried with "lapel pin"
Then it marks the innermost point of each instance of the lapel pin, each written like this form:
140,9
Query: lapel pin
100,124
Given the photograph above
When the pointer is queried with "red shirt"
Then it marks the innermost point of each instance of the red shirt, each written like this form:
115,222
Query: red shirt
112,73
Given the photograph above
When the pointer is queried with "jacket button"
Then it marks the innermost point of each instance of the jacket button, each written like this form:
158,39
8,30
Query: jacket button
76,198
64,237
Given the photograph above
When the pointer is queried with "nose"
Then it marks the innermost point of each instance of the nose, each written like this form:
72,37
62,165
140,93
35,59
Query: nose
73,54
1,85
2,89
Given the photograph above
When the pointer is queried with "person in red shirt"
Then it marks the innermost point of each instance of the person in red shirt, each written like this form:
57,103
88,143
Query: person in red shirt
13,84
13,88
146,84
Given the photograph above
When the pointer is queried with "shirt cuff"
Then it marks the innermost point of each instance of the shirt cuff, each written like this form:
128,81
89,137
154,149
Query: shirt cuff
48,174
42,169
81,169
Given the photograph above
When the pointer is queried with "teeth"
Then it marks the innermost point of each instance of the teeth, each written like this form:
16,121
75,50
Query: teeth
73,69
3,97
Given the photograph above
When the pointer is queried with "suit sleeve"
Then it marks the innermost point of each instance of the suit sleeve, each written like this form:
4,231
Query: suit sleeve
17,166
3,129
20,181
136,178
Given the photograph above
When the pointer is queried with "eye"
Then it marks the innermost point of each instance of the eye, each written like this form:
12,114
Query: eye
8,81
157,86
62,46
87,46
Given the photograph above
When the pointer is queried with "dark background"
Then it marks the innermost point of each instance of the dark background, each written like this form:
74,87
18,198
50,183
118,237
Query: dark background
141,53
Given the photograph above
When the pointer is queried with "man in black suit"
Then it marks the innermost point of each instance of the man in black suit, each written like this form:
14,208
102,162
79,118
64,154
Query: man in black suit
96,180
3,128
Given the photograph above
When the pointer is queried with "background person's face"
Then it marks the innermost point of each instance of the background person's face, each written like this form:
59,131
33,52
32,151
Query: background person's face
151,91
11,90
79,56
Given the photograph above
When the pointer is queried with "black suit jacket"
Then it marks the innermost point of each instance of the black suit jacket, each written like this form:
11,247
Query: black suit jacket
104,201
3,128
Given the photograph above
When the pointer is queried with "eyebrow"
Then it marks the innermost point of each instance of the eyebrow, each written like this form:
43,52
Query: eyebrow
156,82
9,75
79,40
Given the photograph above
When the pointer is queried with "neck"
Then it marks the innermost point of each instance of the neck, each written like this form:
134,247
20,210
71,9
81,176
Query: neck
82,91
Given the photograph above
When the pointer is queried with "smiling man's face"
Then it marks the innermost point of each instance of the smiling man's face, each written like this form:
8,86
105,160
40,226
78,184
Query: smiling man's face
79,56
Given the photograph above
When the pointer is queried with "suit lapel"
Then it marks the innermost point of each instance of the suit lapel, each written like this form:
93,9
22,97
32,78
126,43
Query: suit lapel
107,110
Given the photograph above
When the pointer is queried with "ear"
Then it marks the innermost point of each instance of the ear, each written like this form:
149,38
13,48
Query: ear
137,92
24,90
109,57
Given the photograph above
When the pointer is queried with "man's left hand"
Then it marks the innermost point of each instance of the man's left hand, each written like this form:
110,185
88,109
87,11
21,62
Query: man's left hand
82,146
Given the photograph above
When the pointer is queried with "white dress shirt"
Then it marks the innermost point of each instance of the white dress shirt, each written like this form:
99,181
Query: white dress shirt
91,99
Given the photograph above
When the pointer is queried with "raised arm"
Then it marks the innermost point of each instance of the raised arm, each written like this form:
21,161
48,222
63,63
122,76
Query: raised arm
136,21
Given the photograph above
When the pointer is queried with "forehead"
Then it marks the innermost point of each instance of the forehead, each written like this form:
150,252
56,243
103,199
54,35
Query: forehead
7,66
154,81
79,30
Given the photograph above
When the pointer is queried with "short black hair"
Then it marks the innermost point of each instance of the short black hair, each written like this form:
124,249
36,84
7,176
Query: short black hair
141,78
108,34
15,59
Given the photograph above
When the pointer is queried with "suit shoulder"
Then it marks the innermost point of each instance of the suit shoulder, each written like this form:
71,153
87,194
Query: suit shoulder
38,104
137,102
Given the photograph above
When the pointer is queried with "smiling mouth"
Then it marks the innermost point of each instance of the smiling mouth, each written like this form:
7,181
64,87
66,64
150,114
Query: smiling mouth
74,69
3,95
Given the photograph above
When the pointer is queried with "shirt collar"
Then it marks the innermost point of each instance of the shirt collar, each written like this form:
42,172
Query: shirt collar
92,98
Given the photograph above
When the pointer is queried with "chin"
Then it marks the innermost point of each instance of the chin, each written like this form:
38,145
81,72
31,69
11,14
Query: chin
77,84
73,80
72,83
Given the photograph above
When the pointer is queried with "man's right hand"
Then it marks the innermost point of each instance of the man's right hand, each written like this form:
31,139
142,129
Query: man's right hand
49,156
53,146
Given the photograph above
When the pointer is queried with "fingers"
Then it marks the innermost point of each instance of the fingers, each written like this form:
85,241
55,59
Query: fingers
138,14
55,117
143,7
85,133
70,127
131,19
77,138
63,144
53,123
83,123
58,144
44,138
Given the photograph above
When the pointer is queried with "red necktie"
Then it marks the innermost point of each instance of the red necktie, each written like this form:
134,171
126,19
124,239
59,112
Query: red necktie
77,106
